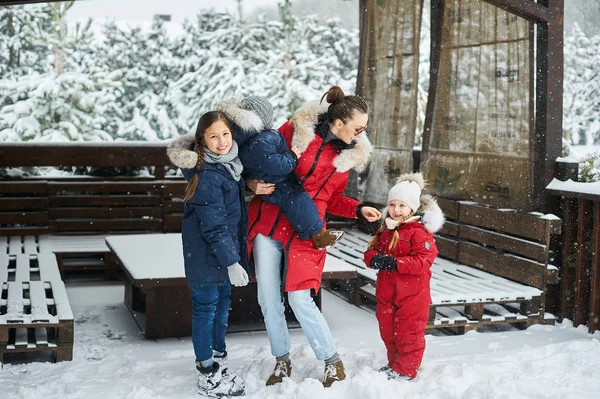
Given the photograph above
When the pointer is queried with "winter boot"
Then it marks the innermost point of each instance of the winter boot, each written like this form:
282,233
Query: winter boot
392,374
327,238
334,372
283,368
221,358
212,383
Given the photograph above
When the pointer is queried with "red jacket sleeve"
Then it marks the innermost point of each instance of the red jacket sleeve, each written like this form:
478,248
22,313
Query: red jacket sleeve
287,130
423,252
340,205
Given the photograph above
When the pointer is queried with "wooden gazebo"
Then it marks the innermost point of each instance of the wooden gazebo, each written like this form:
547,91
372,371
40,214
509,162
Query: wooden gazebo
493,125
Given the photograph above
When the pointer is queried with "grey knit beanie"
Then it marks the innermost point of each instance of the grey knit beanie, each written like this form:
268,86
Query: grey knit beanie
261,107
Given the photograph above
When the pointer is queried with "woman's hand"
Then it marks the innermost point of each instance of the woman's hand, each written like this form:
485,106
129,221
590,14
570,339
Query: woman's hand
370,213
260,187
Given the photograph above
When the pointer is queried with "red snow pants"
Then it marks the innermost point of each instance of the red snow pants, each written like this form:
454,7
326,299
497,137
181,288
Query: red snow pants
402,312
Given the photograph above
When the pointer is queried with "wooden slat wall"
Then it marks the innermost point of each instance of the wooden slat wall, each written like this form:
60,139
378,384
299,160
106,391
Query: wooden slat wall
104,206
172,197
90,205
23,207
508,221
495,241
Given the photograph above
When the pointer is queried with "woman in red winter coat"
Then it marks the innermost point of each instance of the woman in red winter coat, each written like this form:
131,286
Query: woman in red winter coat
329,139
403,251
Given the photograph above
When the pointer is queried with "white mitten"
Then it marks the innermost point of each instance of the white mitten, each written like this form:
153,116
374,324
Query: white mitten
237,275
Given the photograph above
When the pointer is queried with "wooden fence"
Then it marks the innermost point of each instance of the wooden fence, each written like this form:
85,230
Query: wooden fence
579,299
104,203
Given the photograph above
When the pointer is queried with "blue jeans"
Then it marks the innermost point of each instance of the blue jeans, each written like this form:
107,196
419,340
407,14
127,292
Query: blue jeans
210,305
267,259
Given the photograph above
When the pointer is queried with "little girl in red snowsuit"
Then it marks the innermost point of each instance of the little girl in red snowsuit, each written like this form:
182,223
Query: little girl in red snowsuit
403,250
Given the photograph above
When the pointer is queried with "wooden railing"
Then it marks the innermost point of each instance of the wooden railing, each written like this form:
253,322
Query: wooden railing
103,203
579,299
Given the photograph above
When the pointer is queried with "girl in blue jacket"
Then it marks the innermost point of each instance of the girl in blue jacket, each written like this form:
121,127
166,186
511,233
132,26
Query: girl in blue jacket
214,234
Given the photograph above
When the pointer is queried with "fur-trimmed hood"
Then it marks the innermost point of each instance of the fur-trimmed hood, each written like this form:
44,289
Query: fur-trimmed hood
180,151
429,214
304,122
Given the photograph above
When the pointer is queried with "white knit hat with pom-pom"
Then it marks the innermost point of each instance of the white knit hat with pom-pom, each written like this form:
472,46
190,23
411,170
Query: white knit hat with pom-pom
408,189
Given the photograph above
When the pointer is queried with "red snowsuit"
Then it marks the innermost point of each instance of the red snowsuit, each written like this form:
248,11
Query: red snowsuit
403,296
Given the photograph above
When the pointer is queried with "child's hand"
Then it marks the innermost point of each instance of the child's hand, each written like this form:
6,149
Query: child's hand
383,262
296,151
370,213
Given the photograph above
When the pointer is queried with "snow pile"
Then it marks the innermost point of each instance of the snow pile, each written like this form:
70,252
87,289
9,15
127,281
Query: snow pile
112,360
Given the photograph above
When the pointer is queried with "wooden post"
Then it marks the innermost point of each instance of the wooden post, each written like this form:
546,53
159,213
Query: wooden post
437,16
549,92
582,277
594,317
567,271
566,169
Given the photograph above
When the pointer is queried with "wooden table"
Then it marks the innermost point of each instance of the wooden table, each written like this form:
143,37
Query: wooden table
157,294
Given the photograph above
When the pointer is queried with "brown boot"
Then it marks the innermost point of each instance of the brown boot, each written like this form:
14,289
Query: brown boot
327,238
283,368
334,372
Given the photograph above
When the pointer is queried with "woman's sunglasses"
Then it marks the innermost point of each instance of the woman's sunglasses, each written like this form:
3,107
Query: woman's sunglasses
359,130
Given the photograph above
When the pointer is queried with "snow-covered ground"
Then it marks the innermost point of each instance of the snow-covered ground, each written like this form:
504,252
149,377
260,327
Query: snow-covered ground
112,360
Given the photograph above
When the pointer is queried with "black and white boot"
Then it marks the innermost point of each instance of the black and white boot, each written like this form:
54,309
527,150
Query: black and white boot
221,358
212,383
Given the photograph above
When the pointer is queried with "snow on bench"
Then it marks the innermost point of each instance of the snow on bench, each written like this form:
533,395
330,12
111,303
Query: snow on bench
461,296
451,283
35,314
157,294
155,257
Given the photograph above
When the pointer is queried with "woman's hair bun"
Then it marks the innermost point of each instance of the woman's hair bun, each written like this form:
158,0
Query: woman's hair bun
335,93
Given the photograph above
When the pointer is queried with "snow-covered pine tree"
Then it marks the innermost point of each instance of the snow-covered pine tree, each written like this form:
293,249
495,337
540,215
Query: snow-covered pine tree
288,62
213,67
20,53
61,105
142,112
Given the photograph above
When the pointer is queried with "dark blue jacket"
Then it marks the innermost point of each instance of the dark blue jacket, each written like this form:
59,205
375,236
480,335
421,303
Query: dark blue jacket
265,155
215,226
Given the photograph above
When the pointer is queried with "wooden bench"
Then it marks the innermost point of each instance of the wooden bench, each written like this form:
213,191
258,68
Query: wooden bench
494,267
35,315
157,294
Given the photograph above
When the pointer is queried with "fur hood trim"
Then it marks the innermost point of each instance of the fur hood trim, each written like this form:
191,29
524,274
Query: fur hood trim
180,152
246,120
430,213
304,122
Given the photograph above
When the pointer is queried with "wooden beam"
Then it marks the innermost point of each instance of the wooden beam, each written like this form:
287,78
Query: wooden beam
594,317
584,255
527,9
84,154
569,253
547,138
437,24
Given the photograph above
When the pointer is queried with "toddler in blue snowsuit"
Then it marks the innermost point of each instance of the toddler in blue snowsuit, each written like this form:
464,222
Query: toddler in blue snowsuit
265,156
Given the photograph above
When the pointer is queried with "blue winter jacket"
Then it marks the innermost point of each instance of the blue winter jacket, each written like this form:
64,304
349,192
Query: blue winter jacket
215,226
265,155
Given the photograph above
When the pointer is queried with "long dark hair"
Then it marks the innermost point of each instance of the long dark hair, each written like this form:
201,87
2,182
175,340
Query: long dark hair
204,123
341,106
